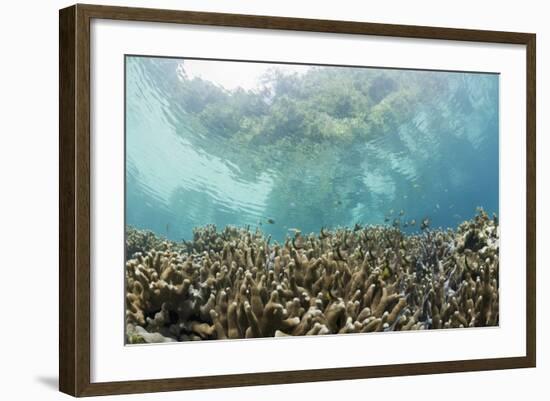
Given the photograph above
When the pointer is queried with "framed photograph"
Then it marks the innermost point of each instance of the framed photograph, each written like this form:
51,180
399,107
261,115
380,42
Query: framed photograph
250,200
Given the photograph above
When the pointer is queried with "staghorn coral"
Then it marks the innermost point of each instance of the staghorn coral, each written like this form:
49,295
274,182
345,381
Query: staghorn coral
142,241
235,283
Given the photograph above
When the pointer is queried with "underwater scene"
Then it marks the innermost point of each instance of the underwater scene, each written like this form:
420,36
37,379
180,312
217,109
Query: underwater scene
276,200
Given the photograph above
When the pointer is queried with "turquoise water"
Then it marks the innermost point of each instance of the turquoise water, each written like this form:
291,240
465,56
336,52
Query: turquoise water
311,148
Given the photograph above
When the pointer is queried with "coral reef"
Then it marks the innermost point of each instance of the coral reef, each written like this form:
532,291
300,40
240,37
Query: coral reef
143,241
235,283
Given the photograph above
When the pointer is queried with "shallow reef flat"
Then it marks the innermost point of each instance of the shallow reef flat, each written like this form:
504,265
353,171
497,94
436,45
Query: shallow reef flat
237,283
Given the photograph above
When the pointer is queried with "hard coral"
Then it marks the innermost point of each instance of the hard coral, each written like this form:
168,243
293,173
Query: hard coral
234,283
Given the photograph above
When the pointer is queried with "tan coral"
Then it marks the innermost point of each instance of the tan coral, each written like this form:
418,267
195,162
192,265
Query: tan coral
233,283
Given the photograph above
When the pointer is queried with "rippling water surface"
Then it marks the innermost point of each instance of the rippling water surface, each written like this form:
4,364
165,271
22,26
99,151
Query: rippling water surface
402,147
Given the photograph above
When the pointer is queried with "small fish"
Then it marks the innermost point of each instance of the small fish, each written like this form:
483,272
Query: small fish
391,211
405,224
425,223
413,222
295,230
451,206
357,227
337,203
292,204
437,205
270,221
386,272
260,223
396,223
386,219
401,212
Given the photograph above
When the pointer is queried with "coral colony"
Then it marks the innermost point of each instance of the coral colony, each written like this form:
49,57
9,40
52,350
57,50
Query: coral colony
237,283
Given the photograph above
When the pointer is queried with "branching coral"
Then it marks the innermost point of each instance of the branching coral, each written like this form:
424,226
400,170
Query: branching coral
142,241
235,283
